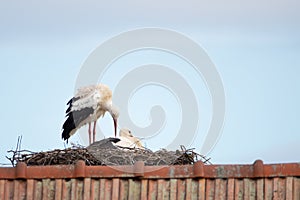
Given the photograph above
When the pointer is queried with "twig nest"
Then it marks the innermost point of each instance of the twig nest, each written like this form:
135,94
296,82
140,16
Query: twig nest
104,152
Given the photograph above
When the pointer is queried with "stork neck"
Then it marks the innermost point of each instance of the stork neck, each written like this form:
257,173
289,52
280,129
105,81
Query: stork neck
113,111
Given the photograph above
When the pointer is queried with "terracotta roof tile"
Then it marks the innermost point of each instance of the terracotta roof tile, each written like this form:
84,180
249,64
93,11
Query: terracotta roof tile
198,181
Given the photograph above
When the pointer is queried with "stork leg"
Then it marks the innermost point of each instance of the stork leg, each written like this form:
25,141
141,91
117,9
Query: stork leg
90,133
94,131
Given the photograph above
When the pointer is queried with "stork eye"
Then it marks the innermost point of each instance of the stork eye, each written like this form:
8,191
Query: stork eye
129,131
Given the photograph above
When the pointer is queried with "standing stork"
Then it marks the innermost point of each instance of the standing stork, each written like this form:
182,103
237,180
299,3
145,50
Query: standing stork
90,103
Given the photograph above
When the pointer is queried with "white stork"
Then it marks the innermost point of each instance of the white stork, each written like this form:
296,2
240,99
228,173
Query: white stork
90,103
128,140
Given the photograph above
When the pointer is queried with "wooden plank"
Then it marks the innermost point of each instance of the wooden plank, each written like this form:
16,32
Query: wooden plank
296,188
230,189
29,188
220,189
289,188
2,189
45,188
102,189
137,188
115,188
66,189
165,189
51,194
123,189
95,187
238,189
58,189
268,188
8,191
201,188
38,190
210,189
181,189
144,189
188,189
108,189
79,189
16,190
22,190
278,188
246,189
194,194
260,189
159,189
152,192
173,188
73,188
87,188
252,189
134,189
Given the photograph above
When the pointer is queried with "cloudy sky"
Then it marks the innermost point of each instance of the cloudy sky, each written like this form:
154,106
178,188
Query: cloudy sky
254,45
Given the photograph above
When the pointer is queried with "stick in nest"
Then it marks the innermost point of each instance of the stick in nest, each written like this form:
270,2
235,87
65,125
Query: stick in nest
54,157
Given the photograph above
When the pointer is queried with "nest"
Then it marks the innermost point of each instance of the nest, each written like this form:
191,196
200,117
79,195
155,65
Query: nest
67,156
105,153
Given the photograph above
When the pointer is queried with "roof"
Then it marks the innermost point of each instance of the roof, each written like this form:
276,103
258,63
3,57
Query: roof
198,181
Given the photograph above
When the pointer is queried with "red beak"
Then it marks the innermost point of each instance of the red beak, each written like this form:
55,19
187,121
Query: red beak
115,125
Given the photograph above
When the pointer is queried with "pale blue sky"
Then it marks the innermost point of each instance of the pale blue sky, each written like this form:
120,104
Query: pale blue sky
254,45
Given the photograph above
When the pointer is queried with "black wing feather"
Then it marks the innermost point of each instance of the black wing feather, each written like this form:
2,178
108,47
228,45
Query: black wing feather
70,103
73,120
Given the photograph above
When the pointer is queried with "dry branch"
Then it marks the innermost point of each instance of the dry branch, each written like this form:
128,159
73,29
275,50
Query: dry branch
99,154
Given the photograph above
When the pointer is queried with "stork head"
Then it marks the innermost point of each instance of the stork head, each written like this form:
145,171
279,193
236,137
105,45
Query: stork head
125,132
114,112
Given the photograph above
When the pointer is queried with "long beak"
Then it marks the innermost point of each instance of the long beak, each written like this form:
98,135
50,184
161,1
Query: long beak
115,125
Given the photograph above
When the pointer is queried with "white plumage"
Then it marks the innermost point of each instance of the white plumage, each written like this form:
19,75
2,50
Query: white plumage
89,103
128,140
